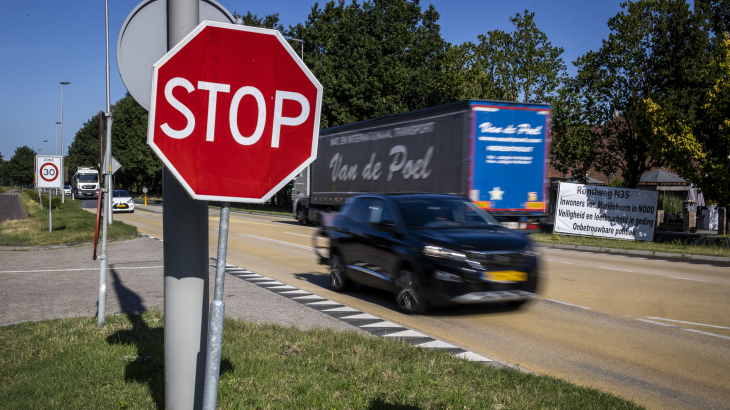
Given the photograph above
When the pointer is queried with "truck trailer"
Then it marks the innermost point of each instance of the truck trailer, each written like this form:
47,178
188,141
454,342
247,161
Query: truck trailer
494,152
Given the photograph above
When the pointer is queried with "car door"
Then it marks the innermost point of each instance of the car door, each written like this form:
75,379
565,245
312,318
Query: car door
349,238
379,242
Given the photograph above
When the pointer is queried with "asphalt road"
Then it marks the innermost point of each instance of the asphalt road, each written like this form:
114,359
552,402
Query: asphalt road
657,332
10,206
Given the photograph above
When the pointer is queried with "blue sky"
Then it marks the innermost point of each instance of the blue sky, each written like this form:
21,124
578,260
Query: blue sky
45,42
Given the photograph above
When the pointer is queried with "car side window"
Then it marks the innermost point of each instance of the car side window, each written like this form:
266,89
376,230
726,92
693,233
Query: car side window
378,212
358,210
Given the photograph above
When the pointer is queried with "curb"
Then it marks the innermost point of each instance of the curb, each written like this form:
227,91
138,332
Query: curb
363,321
631,252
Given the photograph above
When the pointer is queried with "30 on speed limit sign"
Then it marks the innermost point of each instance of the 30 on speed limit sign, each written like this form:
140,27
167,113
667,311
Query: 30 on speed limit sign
49,171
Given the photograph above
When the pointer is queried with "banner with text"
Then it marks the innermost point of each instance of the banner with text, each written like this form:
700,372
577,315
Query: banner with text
618,213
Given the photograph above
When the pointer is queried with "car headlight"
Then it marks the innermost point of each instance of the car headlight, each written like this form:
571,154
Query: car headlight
439,252
131,201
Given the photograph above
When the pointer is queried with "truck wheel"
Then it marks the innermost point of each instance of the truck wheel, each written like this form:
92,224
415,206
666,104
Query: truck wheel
338,280
300,216
409,294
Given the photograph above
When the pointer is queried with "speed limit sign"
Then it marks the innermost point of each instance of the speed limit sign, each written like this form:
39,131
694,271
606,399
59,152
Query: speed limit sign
48,171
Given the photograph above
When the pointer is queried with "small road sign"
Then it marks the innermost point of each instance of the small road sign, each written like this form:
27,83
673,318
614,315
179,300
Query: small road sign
115,165
48,171
234,126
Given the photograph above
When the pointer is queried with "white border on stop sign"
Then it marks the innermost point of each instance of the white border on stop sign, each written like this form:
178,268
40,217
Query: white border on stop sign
153,97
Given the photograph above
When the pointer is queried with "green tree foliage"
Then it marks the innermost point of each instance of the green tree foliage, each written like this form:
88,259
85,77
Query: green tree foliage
469,76
375,58
20,168
270,21
140,166
522,64
84,149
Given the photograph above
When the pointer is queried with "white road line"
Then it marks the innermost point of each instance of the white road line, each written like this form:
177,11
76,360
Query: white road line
689,323
73,270
696,280
383,324
341,309
437,344
298,234
473,357
406,333
275,241
684,328
567,304
550,260
325,303
360,316
622,270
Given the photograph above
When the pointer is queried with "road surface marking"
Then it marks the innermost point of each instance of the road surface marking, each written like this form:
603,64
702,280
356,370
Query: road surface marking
472,357
341,309
567,263
689,323
295,292
308,297
298,234
360,316
275,241
325,303
567,304
73,270
684,328
261,278
406,333
280,287
622,270
437,344
382,324
696,280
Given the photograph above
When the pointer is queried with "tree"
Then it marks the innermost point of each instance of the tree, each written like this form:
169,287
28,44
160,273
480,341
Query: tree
140,166
699,148
84,149
523,63
270,21
375,58
468,76
20,169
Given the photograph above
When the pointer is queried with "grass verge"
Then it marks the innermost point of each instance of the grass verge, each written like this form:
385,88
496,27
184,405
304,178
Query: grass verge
72,363
669,247
71,224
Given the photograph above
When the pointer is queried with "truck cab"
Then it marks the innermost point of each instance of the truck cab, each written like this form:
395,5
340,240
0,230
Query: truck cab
85,183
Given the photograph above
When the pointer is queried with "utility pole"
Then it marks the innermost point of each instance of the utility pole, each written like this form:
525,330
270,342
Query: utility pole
185,234
63,197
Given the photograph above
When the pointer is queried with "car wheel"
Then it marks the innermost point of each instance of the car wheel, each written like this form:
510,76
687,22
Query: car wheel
338,280
409,293
516,304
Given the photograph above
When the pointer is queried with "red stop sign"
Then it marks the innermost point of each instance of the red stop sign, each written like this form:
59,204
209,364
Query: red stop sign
234,112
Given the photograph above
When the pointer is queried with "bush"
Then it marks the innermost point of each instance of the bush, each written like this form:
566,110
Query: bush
55,201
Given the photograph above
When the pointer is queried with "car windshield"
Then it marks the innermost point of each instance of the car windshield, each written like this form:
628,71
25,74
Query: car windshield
118,193
94,178
67,187
428,213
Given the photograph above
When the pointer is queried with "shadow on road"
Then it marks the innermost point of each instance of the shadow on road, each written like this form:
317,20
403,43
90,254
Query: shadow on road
148,366
387,299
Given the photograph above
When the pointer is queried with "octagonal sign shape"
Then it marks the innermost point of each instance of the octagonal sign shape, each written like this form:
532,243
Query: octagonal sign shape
234,112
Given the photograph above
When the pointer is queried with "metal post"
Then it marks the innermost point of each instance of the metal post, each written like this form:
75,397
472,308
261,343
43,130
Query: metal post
50,218
185,234
217,308
107,159
63,198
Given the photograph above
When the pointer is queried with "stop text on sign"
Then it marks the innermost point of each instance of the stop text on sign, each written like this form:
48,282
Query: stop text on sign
234,113
213,89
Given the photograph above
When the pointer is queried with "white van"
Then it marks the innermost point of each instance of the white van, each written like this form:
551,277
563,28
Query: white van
85,183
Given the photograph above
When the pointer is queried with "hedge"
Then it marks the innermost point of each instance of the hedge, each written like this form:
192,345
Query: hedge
55,200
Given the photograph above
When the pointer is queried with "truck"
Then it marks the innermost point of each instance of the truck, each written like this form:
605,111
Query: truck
85,183
493,152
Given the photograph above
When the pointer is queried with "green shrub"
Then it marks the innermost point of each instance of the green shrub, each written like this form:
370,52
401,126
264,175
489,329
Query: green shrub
672,203
55,201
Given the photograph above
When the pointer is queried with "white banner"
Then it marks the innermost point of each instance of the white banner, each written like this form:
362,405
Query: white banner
618,213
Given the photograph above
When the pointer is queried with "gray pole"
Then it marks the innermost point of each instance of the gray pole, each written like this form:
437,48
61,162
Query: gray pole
50,218
101,306
63,197
217,309
107,159
185,234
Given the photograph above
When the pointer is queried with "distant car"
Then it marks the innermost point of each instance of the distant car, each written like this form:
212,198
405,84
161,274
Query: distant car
67,189
122,201
430,249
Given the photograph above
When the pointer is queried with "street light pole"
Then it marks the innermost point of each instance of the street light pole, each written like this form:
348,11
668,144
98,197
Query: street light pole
63,197
44,146
57,122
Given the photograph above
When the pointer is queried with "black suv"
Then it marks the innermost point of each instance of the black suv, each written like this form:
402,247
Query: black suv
430,249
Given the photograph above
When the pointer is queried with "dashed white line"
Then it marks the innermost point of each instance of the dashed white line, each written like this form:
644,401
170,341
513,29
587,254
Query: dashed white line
684,328
622,270
689,323
567,304
298,234
473,357
406,333
696,280
550,260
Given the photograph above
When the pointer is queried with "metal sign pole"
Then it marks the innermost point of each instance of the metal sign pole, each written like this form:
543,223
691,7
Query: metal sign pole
217,309
101,317
50,218
186,259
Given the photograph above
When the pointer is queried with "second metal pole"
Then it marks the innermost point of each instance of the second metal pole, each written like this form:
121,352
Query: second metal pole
50,218
217,309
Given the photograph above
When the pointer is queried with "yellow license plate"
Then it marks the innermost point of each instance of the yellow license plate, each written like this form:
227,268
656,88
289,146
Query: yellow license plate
122,206
505,276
